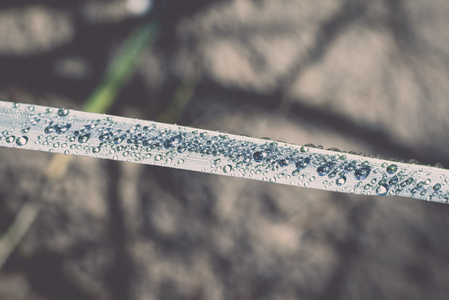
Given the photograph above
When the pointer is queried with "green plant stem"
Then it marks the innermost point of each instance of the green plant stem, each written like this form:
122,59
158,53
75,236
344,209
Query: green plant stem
120,69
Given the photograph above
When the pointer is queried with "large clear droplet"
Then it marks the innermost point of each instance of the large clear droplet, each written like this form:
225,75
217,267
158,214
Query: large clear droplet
84,138
381,190
21,141
340,181
10,139
62,112
258,156
227,168
437,187
303,163
324,169
362,173
391,169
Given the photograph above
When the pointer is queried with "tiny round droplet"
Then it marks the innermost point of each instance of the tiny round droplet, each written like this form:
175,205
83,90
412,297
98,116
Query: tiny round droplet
362,173
21,141
10,139
340,181
62,112
227,168
258,156
437,187
83,138
303,163
391,169
381,190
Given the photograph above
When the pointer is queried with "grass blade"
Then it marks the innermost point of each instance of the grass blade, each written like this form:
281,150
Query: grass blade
96,135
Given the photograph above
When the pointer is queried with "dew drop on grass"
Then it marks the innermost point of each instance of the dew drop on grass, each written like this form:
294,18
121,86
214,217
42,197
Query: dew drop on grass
10,139
84,138
227,168
340,181
62,112
168,144
49,129
21,141
324,169
437,187
118,140
258,156
303,163
381,190
62,128
362,173
391,169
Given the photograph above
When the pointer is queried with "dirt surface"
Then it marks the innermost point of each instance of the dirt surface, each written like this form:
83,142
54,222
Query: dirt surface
366,76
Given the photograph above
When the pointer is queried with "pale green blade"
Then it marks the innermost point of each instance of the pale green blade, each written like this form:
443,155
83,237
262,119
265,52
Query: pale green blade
103,136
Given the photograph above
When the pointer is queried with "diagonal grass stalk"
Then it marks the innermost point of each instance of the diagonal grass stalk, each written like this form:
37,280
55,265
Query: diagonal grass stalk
103,136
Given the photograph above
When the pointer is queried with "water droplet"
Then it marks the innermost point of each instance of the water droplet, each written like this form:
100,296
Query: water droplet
393,181
304,149
340,181
95,149
10,139
303,163
273,179
34,121
62,128
21,141
62,112
84,138
437,187
25,130
30,108
66,152
49,129
227,168
168,144
381,190
283,162
258,156
362,173
181,149
391,169
406,182
119,139
325,169
158,157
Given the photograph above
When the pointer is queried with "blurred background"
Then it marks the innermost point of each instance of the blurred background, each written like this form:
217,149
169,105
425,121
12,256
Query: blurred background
364,76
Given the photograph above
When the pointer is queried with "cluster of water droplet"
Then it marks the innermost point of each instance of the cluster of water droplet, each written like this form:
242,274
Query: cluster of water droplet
78,133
